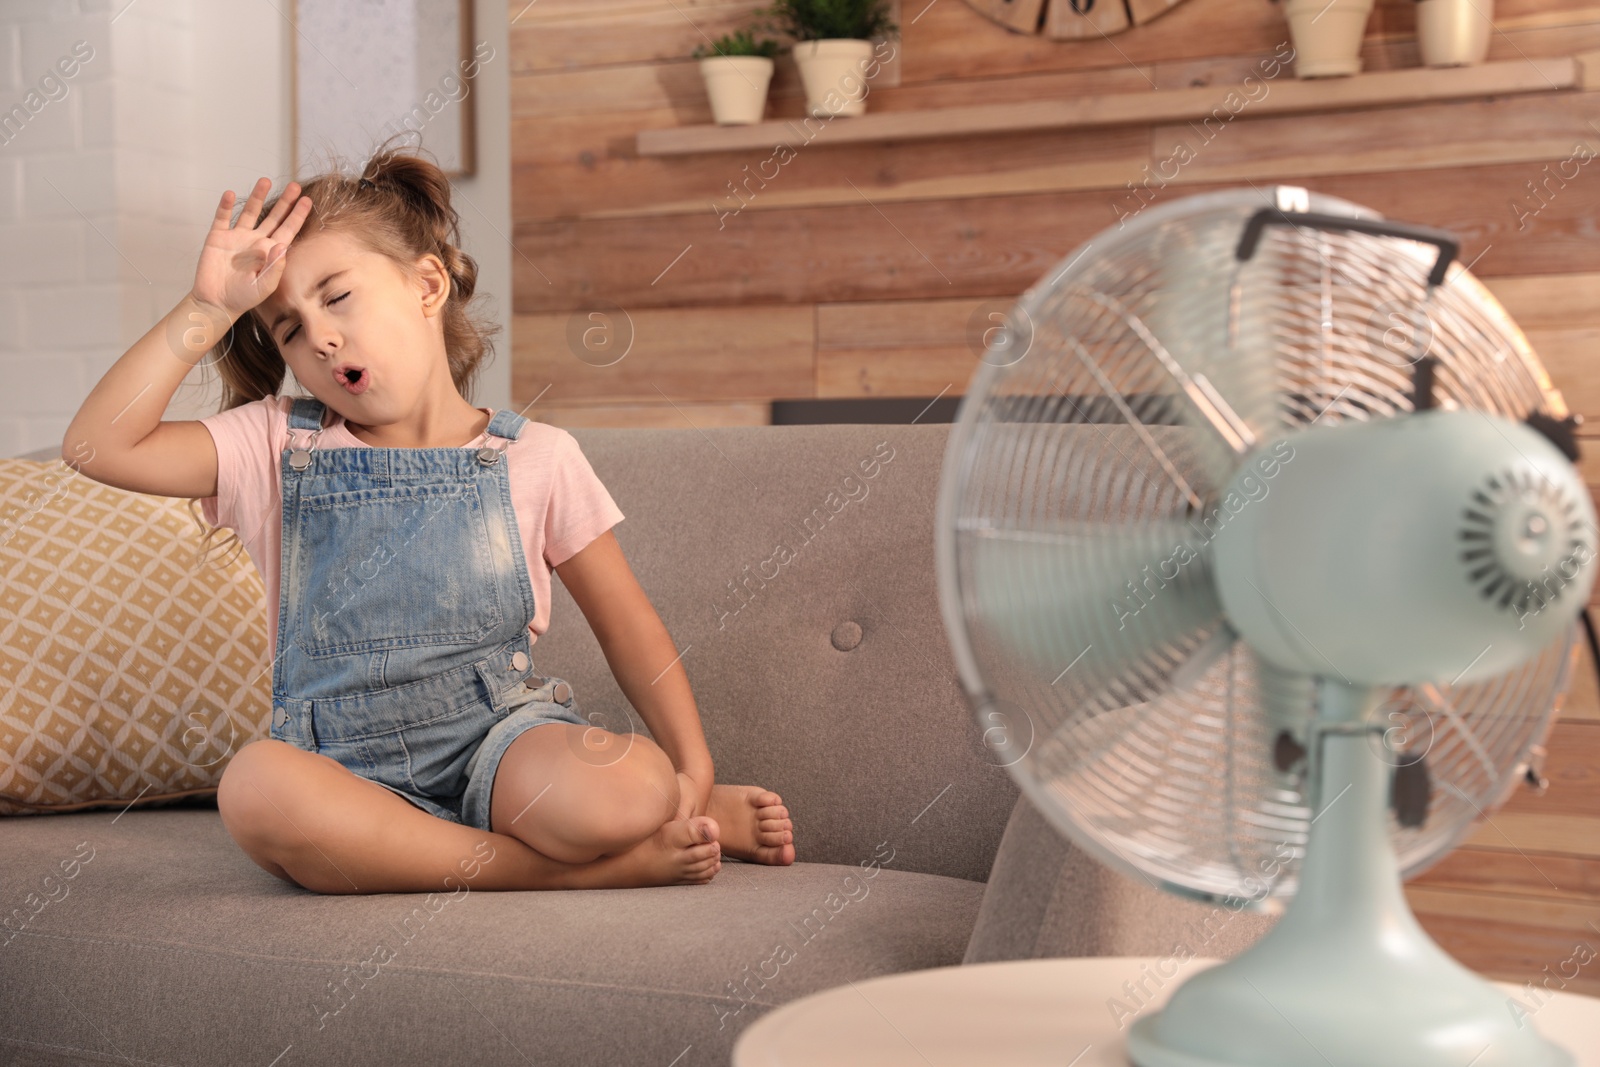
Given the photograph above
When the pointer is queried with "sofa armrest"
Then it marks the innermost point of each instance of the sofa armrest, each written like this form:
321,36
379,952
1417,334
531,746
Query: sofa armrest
1047,897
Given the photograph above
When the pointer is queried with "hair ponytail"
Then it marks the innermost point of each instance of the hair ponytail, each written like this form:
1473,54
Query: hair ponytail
463,270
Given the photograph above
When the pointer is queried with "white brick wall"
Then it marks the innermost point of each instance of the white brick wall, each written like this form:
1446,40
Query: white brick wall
106,192
86,229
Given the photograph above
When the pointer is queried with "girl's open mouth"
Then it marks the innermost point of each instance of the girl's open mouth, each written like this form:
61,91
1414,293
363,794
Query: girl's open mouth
354,379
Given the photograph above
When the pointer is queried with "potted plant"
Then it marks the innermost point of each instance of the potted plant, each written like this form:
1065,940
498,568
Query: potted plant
833,48
1454,33
737,69
1327,36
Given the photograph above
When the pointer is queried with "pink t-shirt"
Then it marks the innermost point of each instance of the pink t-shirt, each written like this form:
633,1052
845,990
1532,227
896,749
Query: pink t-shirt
560,503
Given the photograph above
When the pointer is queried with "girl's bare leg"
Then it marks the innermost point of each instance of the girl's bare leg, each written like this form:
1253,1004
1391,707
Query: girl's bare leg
304,817
579,793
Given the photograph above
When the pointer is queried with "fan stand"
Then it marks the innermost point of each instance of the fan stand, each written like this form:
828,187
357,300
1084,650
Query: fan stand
1347,977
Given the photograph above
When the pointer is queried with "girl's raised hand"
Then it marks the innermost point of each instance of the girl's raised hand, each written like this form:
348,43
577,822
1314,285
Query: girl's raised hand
241,265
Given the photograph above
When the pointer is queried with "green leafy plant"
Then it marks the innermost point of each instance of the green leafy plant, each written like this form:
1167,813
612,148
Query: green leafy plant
816,20
739,43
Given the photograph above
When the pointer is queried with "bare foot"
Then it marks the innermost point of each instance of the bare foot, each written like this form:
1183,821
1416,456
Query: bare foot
680,852
755,825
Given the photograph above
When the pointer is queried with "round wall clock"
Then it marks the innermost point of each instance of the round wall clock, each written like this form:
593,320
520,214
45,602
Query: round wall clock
1072,19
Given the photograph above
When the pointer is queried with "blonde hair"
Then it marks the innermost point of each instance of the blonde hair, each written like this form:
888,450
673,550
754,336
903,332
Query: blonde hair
398,206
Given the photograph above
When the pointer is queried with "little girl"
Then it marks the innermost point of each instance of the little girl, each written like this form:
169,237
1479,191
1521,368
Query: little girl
406,539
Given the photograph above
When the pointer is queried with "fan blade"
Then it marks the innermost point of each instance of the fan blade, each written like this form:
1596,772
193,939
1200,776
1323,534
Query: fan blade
1215,321
1113,614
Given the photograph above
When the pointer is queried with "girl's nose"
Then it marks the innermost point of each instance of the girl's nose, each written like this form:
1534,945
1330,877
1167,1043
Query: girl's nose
323,336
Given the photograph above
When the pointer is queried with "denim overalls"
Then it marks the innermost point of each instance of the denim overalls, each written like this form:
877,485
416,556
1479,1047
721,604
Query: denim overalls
403,643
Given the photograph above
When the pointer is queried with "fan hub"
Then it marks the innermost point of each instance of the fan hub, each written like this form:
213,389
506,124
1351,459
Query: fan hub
1530,528
1425,547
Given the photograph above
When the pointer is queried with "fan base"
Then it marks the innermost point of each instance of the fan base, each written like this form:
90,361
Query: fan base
1311,995
1257,1036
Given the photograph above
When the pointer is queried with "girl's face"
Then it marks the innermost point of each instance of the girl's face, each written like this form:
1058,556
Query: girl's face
360,336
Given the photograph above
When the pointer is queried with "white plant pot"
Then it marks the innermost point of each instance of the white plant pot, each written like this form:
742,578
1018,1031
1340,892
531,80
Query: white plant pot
1327,36
833,71
737,86
1454,33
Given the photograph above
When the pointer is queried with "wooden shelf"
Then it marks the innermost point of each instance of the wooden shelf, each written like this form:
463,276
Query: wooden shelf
1285,95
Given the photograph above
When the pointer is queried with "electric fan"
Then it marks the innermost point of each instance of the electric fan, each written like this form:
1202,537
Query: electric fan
1262,554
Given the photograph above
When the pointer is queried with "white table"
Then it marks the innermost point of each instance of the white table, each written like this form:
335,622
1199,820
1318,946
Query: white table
1029,1013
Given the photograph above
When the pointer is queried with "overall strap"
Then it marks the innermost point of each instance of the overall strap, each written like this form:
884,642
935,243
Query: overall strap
506,423
306,413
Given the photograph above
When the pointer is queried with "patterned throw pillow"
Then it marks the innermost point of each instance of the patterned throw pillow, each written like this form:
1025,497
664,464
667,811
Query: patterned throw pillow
129,671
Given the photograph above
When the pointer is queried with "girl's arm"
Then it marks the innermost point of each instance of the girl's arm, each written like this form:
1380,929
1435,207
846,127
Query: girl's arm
117,436
639,650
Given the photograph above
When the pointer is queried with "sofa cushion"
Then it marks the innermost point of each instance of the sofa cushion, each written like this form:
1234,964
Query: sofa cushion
130,670
160,942
1048,897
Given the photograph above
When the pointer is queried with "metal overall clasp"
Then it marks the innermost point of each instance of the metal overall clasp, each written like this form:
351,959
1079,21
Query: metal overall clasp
489,455
300,455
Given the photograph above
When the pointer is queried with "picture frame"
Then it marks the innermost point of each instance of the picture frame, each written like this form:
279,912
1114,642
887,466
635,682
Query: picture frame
364,70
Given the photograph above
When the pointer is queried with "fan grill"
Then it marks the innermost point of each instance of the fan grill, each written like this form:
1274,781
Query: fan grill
1083,464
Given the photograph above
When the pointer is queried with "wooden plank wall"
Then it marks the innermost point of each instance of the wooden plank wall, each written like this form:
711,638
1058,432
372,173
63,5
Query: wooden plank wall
647,292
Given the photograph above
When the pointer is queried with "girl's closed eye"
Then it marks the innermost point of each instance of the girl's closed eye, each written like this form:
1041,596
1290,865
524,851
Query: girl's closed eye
293,330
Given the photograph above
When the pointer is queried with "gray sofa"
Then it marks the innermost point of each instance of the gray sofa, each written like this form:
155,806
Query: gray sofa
827,678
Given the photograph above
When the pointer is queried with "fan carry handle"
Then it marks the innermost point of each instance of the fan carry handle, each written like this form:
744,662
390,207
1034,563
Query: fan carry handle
1447,243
